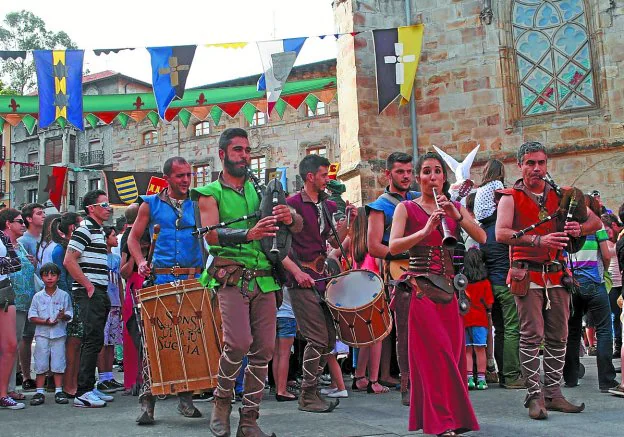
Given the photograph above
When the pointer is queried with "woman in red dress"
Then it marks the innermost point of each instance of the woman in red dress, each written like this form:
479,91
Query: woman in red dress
439,395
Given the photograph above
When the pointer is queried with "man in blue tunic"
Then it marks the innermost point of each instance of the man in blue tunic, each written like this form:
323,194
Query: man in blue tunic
177,254
380,212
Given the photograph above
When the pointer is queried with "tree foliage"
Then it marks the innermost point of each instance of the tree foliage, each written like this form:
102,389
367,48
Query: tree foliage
25,31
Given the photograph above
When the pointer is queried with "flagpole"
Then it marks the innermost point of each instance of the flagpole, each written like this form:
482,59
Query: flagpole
413,120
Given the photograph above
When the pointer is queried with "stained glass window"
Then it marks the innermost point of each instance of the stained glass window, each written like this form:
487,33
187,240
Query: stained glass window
552,56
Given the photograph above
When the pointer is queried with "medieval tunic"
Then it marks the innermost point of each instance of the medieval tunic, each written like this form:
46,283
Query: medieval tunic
437,354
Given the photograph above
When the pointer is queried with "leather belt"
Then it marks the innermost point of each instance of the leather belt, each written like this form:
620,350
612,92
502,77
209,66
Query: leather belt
178,271
537,267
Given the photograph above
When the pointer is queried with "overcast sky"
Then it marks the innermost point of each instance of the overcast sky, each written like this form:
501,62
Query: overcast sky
128,23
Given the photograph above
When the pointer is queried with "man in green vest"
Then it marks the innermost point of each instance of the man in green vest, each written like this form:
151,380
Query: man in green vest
244,280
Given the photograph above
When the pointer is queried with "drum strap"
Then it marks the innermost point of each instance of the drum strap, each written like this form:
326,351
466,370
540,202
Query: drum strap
204,251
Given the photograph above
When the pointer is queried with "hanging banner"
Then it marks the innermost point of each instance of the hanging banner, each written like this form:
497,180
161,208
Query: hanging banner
156,185
59,86
51,183
397,52
170,68
278,58
124,187
334,168
279,173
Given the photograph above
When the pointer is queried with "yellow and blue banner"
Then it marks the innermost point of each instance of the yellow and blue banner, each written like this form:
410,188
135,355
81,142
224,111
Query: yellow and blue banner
59,82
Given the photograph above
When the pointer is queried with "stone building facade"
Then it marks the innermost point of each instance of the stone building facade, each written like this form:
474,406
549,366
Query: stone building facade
142,147
91,149
275,142
477,84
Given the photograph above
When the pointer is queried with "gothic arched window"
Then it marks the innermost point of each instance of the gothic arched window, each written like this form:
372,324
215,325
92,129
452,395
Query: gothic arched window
553,56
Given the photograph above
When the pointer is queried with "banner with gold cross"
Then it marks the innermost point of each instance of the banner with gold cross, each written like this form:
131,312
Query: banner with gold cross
59,86
170,68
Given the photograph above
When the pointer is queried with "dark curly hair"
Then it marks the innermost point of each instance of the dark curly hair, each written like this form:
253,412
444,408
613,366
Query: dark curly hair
474,266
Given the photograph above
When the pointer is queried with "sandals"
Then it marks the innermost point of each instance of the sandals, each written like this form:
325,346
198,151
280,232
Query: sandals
371,390
16,396
448,433
354,386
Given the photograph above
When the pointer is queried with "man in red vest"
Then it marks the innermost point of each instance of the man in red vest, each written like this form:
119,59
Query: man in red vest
535,278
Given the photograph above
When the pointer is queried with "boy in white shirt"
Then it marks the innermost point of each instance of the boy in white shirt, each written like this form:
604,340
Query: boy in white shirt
50,311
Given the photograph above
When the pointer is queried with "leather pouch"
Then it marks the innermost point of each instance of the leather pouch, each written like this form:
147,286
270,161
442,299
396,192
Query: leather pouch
7,295
519,281
435,287
225,271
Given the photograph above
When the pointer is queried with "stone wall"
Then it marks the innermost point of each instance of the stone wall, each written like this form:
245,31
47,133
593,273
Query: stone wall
466,95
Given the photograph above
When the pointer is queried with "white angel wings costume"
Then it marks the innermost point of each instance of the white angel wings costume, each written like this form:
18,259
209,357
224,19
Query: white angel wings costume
461,171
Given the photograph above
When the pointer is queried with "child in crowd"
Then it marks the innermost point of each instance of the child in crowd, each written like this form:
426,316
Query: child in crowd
113,330
478,320
493,179
50,310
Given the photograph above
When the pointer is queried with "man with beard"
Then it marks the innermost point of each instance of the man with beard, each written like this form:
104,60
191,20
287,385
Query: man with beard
380,212
243,278
309,252
177,254
536,278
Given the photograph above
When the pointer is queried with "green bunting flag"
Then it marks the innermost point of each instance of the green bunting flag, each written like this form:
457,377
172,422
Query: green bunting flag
216,114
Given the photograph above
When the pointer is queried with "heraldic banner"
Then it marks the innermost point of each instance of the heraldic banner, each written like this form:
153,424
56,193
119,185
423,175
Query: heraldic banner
125,187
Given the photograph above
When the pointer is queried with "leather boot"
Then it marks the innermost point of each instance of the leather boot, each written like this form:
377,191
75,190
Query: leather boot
563,405
535,404
220,417
186,407
248,426
148,404
311,401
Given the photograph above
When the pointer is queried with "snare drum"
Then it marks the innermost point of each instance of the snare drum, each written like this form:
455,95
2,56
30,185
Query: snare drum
357,303
183,336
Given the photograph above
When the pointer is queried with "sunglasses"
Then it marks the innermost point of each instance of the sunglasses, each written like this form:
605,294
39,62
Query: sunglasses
20,221
104,205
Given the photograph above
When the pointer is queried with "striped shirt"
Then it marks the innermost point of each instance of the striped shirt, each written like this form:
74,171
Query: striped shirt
587,262
89,241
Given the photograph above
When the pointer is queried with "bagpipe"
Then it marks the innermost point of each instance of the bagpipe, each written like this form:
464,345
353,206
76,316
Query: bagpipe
572,207
275,248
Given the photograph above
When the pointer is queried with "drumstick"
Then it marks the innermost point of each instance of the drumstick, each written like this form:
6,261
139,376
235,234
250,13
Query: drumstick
150,254
326,278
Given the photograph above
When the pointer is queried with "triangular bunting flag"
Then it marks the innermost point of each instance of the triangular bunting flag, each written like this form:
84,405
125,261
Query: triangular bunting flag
228,45
215,114
248,111
185,117
278,58
170,68
29,123
106,117
261,105
170,113
99,52
397,52
13,119
51,183
200,112
123,119
62,122
326,96
312,102
280,108
231,108
138,116
295,100
153,117
92,120
2,124
59,86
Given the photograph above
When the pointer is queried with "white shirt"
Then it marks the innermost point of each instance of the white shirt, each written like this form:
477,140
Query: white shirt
484,205
46,307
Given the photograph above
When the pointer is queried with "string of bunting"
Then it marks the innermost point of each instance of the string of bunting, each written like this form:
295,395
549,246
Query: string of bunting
60,99
34,164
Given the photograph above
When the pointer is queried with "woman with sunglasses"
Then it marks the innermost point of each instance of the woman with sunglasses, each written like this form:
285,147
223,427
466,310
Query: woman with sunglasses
23,282
9,263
